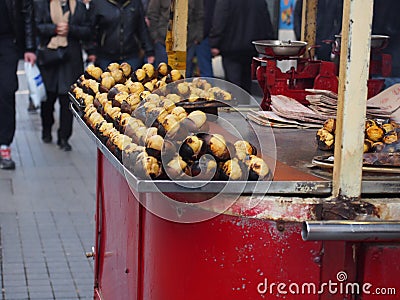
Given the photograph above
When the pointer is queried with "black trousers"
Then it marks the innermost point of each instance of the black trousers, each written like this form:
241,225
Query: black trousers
47,115
237,68
8,87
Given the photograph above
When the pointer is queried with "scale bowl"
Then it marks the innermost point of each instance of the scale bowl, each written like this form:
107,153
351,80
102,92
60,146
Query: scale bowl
378,42
277,48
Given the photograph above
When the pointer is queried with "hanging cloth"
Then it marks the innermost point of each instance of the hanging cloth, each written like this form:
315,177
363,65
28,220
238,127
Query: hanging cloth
57,16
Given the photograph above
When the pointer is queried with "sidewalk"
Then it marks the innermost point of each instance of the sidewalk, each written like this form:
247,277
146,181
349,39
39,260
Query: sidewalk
46,213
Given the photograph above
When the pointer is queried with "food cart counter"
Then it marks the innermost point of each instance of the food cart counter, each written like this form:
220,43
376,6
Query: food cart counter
156,240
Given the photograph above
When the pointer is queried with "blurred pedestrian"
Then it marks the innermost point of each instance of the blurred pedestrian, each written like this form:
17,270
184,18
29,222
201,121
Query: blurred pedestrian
121,34
158,13
16,36
329,23
61,25
203,49
236,23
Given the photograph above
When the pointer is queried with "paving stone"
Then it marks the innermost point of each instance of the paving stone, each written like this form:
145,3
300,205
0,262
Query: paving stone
47,214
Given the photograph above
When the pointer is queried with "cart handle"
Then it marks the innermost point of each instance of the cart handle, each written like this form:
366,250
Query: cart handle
350,231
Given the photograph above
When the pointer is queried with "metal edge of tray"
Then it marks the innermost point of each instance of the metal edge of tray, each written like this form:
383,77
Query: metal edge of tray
75,101
259,188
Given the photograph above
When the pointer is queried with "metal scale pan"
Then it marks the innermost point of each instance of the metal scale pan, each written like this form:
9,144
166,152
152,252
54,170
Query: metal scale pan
280,49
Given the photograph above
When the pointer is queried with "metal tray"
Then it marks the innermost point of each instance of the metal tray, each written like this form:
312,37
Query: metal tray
326,161
76,103
257,188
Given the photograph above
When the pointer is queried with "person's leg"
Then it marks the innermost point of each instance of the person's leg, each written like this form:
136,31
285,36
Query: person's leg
232,69
8,87
160,54
191,51
245,61
204,58
66,119
46,114
135,62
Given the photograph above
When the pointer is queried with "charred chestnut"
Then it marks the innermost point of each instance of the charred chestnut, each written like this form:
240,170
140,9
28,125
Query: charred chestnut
325,139
163,69
126,69
330,125
217,147
205,169
147,166
192,148
367,145
154,145
378,147
257,168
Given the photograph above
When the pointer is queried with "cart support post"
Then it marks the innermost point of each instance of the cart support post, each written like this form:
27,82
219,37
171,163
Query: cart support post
176,39
309,24
353,76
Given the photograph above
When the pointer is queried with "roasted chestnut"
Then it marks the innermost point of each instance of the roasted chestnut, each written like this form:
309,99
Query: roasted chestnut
390,137
192,148
369,123
112,67
388,127
118,76
179,112
243,149
217,147
257,168
126,69
231,170
139,75
106,84
330,125
325,139
93,72
375,133
134,87
183,89
205,168
367,145
149,70
177,168
196,121
176,75
163,69
147,166
154,145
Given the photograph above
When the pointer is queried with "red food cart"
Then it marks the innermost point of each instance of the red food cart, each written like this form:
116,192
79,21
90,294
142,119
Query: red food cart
288,238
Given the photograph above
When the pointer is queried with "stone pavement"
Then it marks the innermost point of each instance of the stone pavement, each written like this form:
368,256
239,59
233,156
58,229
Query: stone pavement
46,213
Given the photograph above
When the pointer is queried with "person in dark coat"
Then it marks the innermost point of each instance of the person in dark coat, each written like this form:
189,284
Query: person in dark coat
329,23
236,24
16,37
121,33
60,24
203,49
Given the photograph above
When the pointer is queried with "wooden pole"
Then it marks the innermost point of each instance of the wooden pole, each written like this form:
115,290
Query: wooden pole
353,76
309,24
176,39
